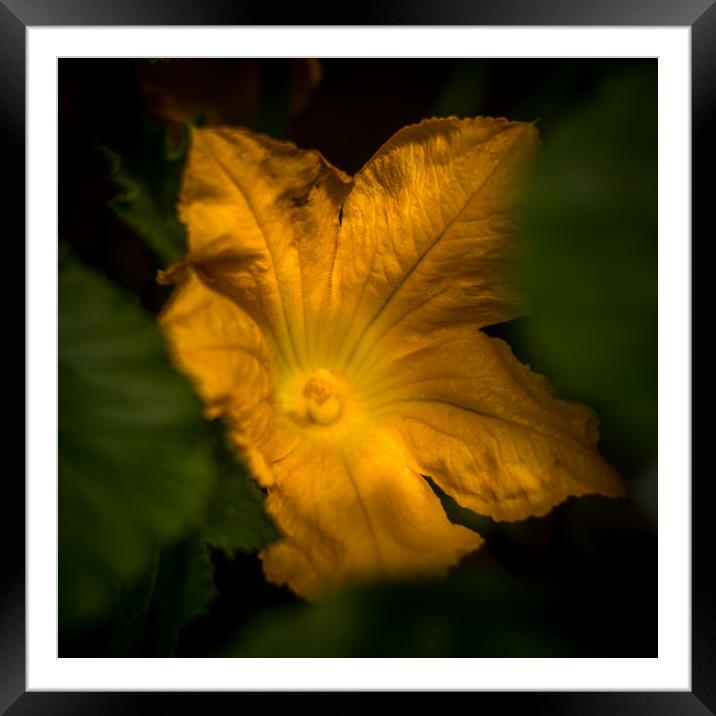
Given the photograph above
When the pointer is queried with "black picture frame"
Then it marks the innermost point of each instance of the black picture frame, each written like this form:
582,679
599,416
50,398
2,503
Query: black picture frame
17,15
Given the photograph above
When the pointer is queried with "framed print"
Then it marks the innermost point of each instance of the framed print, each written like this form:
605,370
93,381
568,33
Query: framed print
359,357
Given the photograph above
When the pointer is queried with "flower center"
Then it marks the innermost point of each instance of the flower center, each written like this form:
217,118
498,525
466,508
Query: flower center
322,403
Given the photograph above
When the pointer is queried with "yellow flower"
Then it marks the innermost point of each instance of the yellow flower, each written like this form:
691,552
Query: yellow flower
335,322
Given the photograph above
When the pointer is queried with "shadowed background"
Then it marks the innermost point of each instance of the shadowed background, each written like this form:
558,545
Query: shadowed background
159,525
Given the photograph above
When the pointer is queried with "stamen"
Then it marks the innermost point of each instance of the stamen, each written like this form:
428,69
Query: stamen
321,402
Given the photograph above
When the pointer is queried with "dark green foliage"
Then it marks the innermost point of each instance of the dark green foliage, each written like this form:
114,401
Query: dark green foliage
134,462
473,613
150,613
236,518
149,173
590,267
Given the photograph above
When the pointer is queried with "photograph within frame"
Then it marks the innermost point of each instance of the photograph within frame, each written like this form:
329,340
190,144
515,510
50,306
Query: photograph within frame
597,126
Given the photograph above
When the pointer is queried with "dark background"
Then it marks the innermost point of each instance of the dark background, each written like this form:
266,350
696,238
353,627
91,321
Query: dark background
582,580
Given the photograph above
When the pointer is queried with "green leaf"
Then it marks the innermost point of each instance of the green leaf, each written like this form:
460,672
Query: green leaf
473,613
135,464
236,518
148,170
151,612
590,265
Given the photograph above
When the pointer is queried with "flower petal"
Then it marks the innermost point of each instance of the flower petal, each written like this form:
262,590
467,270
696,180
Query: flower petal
262,220
356,514
218,346
489,431
427,230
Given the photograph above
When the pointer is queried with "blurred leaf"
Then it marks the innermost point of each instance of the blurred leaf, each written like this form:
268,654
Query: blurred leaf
134,462
148,616
472,613
236,519
151,613
590,268
148,170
